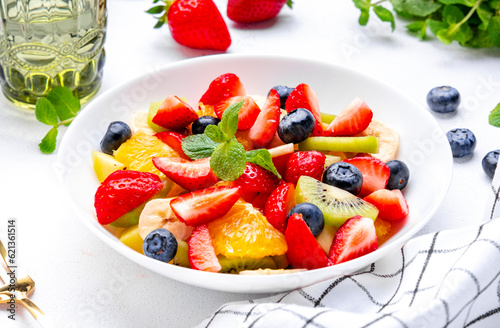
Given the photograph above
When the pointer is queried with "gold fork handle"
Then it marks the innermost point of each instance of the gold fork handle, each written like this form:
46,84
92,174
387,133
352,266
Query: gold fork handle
35,311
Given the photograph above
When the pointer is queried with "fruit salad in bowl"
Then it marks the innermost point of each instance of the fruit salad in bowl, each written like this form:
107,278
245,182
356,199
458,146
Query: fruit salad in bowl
255,189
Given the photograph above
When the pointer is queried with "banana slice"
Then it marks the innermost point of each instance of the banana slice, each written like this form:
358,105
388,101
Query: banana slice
158,214
267,272
259,100
388,140
139,123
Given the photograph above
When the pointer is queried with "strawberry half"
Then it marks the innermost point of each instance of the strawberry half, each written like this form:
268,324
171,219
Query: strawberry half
310,163
122,191
257,178
205,205
190,175
174,141
259,202
375,173
305,97
221,88
248,112
174,114
391,204
266,124
303,249
354,119
279,203
355,238
201,251
253,11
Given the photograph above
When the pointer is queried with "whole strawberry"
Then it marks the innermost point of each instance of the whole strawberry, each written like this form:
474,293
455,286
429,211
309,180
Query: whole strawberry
253,11
194,23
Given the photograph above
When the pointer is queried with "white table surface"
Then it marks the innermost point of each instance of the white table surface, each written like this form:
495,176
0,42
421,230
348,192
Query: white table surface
81,282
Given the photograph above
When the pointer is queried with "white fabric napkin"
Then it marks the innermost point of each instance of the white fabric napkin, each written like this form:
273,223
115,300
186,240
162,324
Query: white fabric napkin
445,279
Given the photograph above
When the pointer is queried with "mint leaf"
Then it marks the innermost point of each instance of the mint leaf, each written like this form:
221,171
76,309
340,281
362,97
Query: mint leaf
385,15
494,30
364,7
66,104
419,8
494,118
198,146
215,133
228,160
48,144
45,112
418,27
263,158
484,14
229,121
468,3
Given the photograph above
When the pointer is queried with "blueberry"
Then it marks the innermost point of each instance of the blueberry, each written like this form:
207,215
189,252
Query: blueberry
344,176
284,92
202,122
490,162
296,126
118,132
160,244
462,142
443,99
400,174
312,215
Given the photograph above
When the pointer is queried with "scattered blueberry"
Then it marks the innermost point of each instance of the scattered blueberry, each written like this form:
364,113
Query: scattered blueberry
118,132
344,176
490,162
312,215
296,126
283,91
160,244
202,122
444,99
462,142
400,174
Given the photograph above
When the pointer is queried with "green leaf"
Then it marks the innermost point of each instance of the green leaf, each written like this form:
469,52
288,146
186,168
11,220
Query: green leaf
65,102
418,27
263,158
484,14
289,3
159,23
385,15
435,26
468,3
494,118
457,29
494,30
229,121
228,160
198,146
362,4
495,4
215,134
48,144
364,17
481,40
45,112
156,10
419,8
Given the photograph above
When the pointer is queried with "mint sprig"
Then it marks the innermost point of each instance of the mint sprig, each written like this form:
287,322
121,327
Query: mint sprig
494,117
58,108
227,155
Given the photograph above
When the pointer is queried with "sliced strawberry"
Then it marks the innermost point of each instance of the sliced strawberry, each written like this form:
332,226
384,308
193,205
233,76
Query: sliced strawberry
205,205
280,163
260,201
375,173
303,249
355,238
223,87
245,11
122,191
305,97
249,196
201,251
256,178
390,203
352,120
310,163
248,112
174,113
174,141
264,129
190,175
279,203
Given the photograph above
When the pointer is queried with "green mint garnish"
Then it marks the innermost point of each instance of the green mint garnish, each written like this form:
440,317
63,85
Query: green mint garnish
58,108
198,146
262,157
494,118
228,160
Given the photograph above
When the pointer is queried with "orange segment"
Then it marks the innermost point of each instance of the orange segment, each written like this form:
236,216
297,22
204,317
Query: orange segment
205,110
245,232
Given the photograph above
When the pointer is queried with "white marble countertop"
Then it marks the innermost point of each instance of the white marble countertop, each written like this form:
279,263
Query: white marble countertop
81,282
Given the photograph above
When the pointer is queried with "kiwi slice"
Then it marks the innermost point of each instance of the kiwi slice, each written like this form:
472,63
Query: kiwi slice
336,204
368,144
181,257
237,264
327,118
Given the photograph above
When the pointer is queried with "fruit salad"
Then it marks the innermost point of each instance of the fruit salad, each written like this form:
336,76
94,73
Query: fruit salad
251,184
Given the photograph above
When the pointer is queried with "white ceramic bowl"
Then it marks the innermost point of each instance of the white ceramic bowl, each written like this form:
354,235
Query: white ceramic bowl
423,147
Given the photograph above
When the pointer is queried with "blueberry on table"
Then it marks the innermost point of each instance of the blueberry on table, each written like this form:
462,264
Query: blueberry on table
490,162
462,142
283,92
444,99
296,126
344,176
117,133
400,174
160,244
312,215
202,122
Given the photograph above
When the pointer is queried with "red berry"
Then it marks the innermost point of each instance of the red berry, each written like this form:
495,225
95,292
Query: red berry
266,124
310,163
221,88
174,113
201,251
190,175
305,97
354,119
174,141
375,173
253,11
390,203
248,112
279,203
256,178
